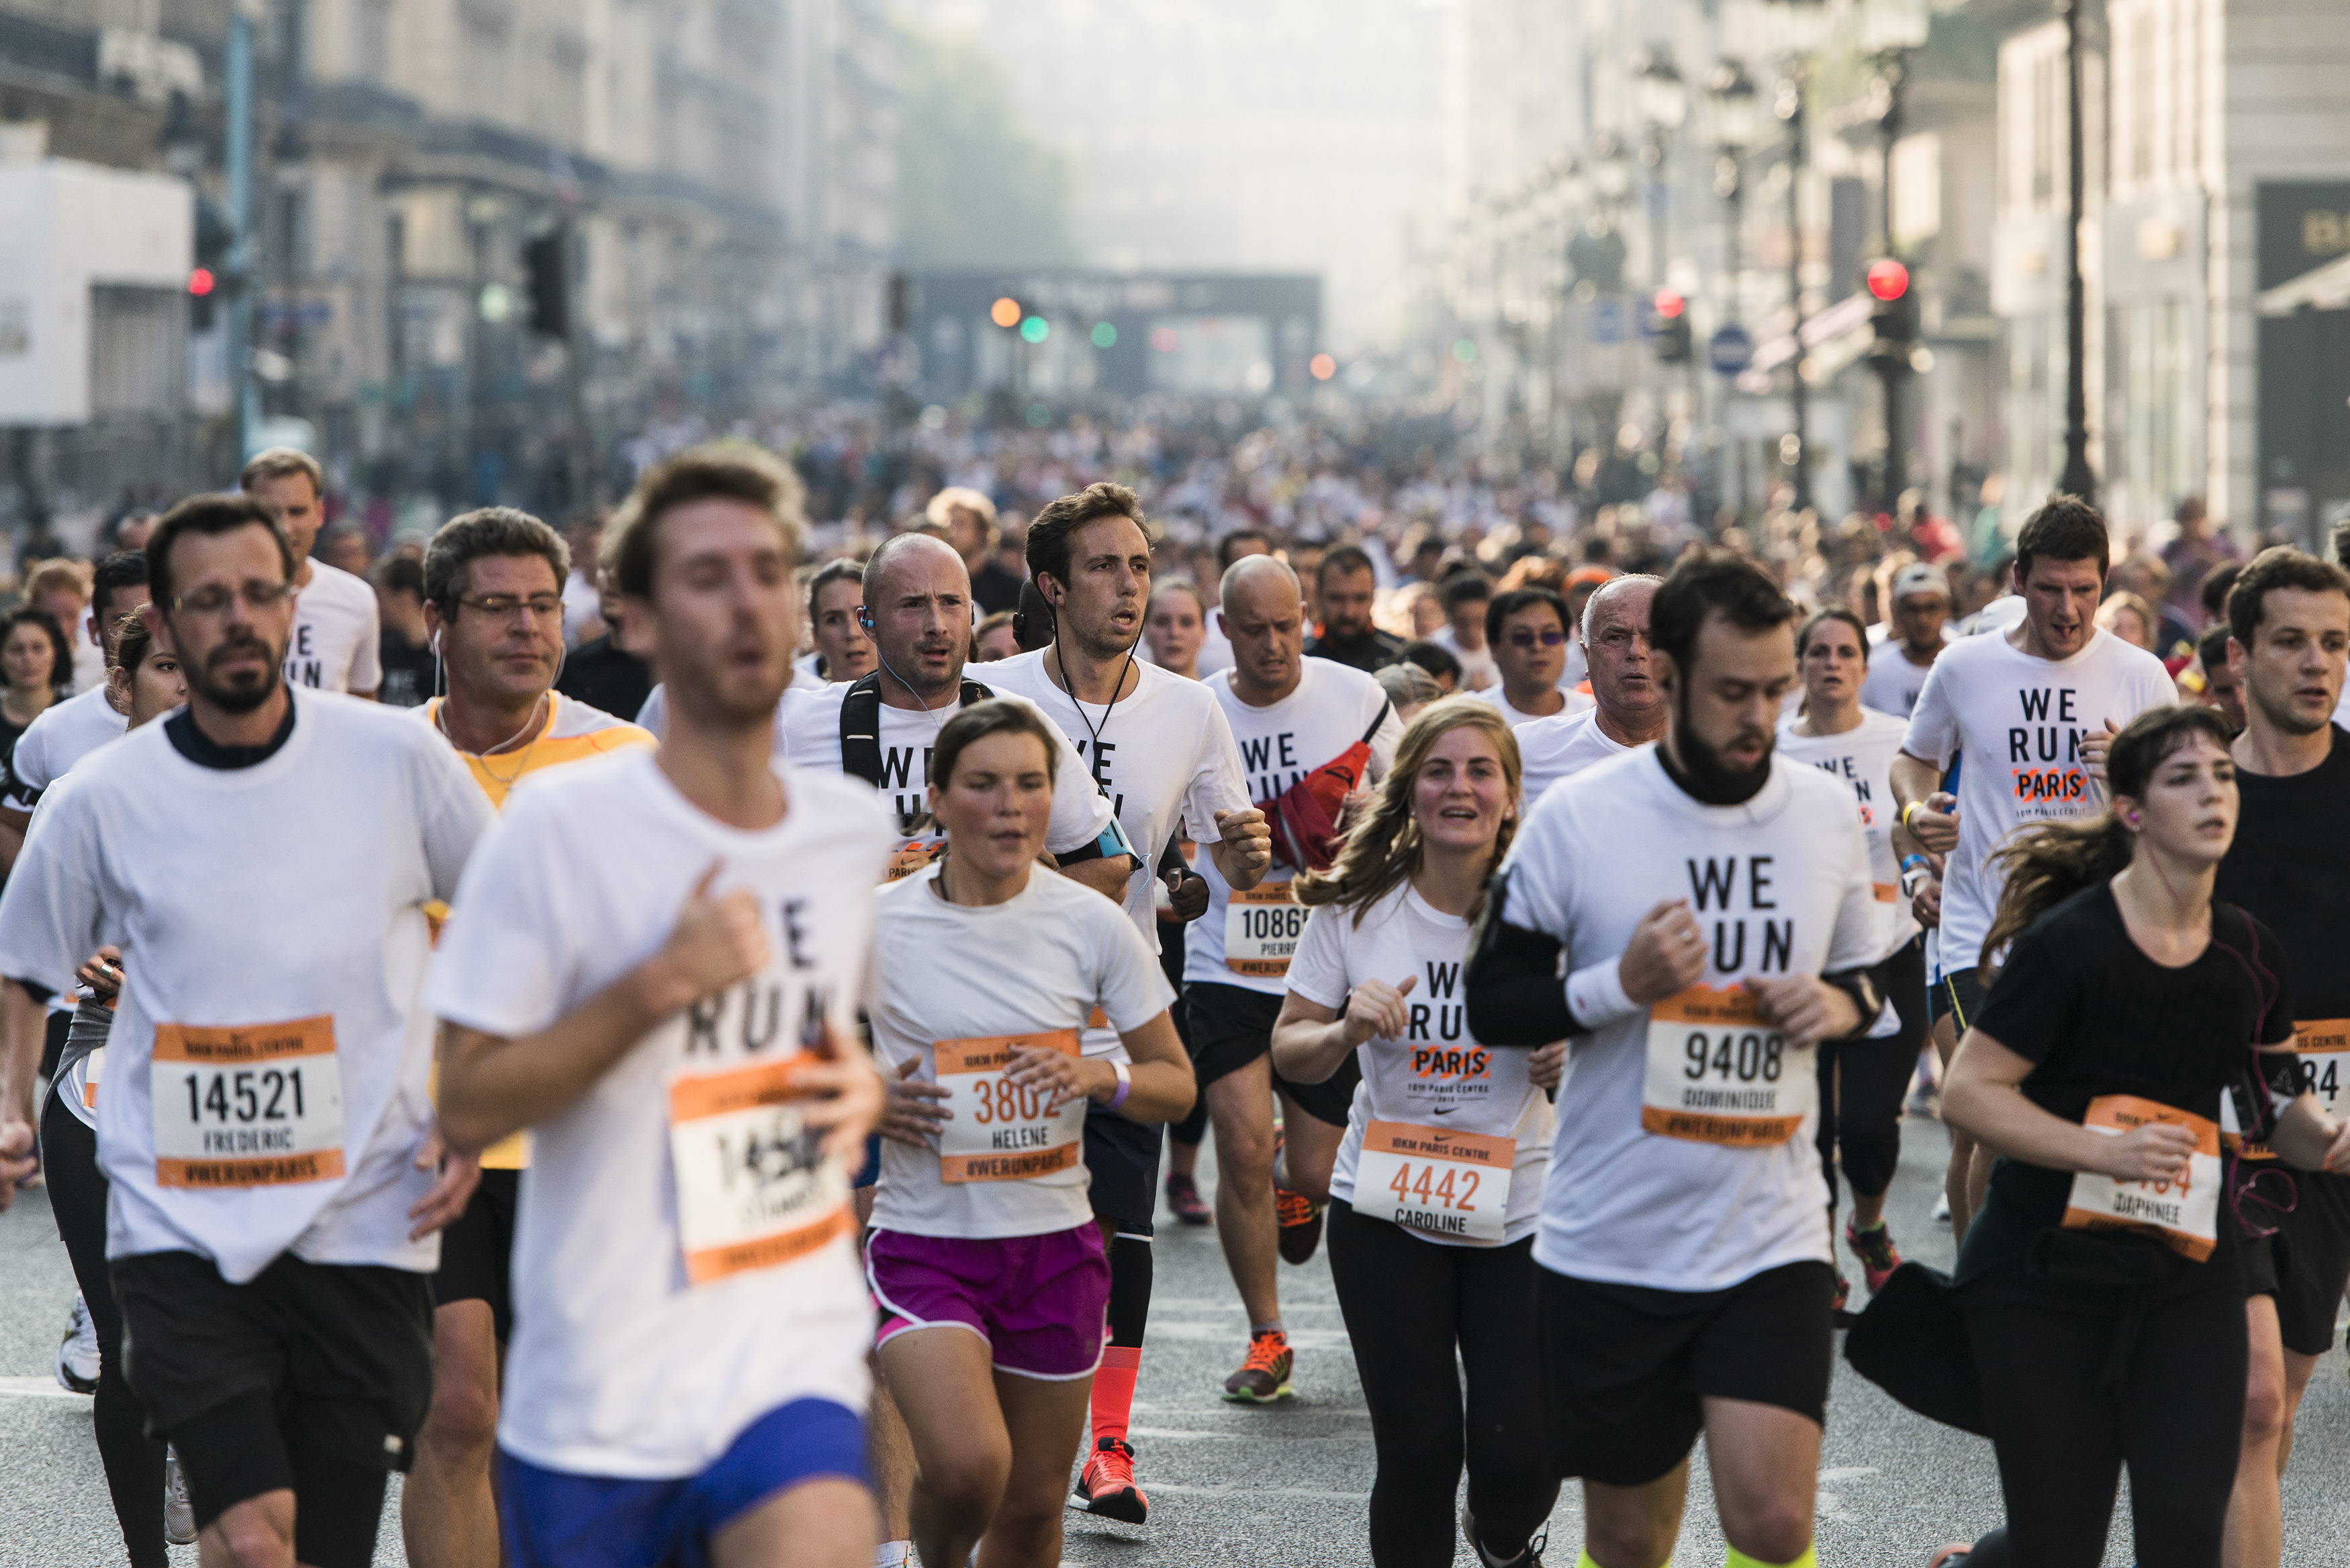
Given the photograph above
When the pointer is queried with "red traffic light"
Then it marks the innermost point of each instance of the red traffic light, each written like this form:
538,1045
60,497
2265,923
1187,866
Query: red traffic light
1669,304
201,282
1887,279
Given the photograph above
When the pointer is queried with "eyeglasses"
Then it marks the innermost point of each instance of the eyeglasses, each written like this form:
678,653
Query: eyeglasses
506,607
213,598
1525,638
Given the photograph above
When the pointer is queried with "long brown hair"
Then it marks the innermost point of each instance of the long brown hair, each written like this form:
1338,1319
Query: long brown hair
2047,864
1382,850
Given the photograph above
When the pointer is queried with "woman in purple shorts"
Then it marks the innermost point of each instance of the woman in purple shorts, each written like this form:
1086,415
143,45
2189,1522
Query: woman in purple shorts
988,966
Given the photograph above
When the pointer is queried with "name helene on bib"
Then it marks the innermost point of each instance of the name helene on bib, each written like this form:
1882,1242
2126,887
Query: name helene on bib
753,1189
2183,1215
1262,924
1717,1073
1000,1130
246,1105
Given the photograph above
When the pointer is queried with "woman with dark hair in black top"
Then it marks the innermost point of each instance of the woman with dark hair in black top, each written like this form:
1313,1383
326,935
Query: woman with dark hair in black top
2135,1022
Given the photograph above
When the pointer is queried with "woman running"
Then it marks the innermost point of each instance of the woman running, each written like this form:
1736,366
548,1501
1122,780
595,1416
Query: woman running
1439,1179
145,684
2101,1284
1862,1080
1175,626
982,1226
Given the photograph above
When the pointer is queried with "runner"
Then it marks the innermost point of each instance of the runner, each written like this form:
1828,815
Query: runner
338,625
1525,629
1174,627
1005,1246
1160,748
1345,586
263,1128
843,652
2034,707
2289,617
1466,595
1310,734
69,730
494,612
1433,1201
1921,626
1862,1080
1629,710
2101,1292
675,1017
1692,1024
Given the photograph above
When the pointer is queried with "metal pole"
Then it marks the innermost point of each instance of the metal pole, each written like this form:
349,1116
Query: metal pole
243,390
2078,478
582,479
1798,397
1735,198
1897,455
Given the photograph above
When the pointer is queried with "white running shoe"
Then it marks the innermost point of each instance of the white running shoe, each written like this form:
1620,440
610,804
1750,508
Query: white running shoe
1942,1208
78,1351
179,1513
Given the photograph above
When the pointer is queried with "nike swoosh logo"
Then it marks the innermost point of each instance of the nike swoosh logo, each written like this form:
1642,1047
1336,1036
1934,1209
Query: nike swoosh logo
1446,1110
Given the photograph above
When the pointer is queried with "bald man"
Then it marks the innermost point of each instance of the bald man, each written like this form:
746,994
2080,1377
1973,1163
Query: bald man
1291,715
1630,711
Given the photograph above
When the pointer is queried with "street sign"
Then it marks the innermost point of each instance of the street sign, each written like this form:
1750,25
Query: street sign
1730,349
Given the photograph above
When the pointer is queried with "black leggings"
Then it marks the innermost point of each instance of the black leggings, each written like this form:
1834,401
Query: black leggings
1408,1304
1192,1130
134,1464
1860,1106
2175,1415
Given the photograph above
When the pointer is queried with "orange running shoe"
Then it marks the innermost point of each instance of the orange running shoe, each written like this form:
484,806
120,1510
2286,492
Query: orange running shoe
1263,1377
1107,1483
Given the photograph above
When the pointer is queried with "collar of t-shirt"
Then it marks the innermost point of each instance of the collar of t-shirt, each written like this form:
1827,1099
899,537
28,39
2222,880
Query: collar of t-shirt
201,749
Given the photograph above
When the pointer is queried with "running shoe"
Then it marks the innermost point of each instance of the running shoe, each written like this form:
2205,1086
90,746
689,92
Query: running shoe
1529,1558
1301,1223
1263,1377
78,1351
1874,1247
1107,1483
1844,1292
1949,1556
1942,1208
179,1513
1183,1198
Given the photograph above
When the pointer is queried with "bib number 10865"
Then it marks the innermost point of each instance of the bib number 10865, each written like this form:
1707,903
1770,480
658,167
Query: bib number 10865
1262,924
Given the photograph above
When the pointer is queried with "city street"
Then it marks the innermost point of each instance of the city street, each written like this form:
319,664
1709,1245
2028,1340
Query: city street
1227,1484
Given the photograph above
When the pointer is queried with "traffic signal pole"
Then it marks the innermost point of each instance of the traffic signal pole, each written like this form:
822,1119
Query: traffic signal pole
244,392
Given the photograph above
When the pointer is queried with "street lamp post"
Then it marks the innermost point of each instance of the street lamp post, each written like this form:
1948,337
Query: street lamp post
1890,30
1733,124
1789,107
2078,479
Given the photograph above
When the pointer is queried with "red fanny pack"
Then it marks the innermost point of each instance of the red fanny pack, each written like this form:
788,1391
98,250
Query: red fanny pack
1305,816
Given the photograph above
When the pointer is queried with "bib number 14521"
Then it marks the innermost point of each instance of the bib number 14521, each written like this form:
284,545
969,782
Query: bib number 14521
248,1104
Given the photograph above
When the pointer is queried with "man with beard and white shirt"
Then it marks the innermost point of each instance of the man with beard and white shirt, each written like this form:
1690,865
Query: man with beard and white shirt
1160,747
337,625
1526,632
1919,619
1630,709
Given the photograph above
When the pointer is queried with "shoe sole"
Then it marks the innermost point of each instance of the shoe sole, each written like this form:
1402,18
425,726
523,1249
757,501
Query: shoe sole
1242,1397
71,1384
1125,1505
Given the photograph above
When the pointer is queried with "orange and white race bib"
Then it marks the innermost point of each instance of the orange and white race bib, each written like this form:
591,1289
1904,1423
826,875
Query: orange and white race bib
753,1187
1886,892
247,1105
1717,1073
2183,1215
1001,1131
2324,1045
1436,1181
1262,924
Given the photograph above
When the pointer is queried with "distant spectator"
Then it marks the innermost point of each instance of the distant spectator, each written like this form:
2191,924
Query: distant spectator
411,671
34,660
2191,556
61,590
2129,618
1465,596
1438,661
2212,593
969,518
607,671
347,548
995,639
2220,688
583,607
1175,626
1345,586
131,532
1410,689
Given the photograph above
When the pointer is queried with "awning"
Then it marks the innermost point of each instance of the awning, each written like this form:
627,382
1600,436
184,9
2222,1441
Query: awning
2325,288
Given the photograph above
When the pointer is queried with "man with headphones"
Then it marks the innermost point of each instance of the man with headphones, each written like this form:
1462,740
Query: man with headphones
1160,747
493,588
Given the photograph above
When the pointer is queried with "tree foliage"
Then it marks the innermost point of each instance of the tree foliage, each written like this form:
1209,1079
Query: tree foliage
974,188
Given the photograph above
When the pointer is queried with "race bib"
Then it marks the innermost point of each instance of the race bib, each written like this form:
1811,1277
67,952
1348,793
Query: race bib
1886,892
914,855
1442,1183
1000,1130
2183,1215
753,1187
247,1105
92,1066
2325,1048
1717,1073
1262,926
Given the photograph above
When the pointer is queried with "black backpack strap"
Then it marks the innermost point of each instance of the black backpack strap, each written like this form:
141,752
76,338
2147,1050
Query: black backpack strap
1387,706
860,730
972,692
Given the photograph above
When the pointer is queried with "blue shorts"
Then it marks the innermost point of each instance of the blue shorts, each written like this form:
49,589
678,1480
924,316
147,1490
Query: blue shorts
552,1519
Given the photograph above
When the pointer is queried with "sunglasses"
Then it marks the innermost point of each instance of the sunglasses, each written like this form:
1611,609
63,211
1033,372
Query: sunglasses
1526,639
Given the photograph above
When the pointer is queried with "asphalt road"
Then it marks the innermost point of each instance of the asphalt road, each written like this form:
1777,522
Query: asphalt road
1227,1484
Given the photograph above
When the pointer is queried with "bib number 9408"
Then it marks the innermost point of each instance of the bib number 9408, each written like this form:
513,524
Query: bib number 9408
1716,1072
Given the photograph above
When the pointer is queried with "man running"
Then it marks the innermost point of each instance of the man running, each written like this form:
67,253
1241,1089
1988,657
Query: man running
1310,732
1685,1280
1920,620
493,609
1629,711
673,1015
2033,709
337,625
1345,585
265,1122
2289,626
1526,631
1160,747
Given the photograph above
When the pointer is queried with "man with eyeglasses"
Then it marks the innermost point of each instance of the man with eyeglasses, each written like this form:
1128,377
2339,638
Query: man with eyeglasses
493,613
337,625
1525,629
1630,708
262,858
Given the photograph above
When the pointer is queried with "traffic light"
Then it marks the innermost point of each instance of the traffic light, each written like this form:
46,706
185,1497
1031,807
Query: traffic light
1894,317
1668,325
546,265
210,280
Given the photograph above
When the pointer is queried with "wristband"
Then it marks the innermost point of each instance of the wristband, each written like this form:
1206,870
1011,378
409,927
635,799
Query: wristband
1911,862
1595,995
1125,1085
1906,810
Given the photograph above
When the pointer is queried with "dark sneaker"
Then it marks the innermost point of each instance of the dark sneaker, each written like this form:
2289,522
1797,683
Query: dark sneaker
1529,1558
1874,1247
1263,1377
1301,1224
1183,1198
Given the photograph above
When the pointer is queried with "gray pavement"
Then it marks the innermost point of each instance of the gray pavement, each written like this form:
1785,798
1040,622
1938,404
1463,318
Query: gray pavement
1229,1484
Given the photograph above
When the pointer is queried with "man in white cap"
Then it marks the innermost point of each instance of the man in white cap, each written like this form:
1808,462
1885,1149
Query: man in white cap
1921,616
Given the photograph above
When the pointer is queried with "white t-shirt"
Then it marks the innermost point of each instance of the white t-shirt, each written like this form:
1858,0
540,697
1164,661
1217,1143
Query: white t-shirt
1038,963
337,633
1333,707
620,1366
286,898
1576,702
2020,720
88,660
1893,683
1779,887
1558,748
59,736
1438,1075
1478,670
581,604
1861,759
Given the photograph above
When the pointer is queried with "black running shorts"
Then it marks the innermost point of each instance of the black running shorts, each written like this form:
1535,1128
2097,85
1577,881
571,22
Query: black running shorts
477,1251
2314,1262
1232,1026
1623,1367
1958,995
1122,1157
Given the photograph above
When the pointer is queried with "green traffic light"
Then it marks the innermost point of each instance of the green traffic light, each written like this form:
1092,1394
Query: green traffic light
1035,329
1105,335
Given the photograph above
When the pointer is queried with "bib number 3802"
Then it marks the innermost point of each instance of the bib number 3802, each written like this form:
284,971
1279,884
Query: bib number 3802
1717,1073
1000,1130
753,1189
1262,924
247,1105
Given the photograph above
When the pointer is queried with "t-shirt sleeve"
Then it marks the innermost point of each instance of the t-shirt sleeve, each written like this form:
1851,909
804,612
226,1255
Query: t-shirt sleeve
1538,881
1133,989
49,912
1218,782
2037,1000
1388,736
1933,732
1859,937
653,717
367,659
1081,812
1317,970
452,814
505,960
